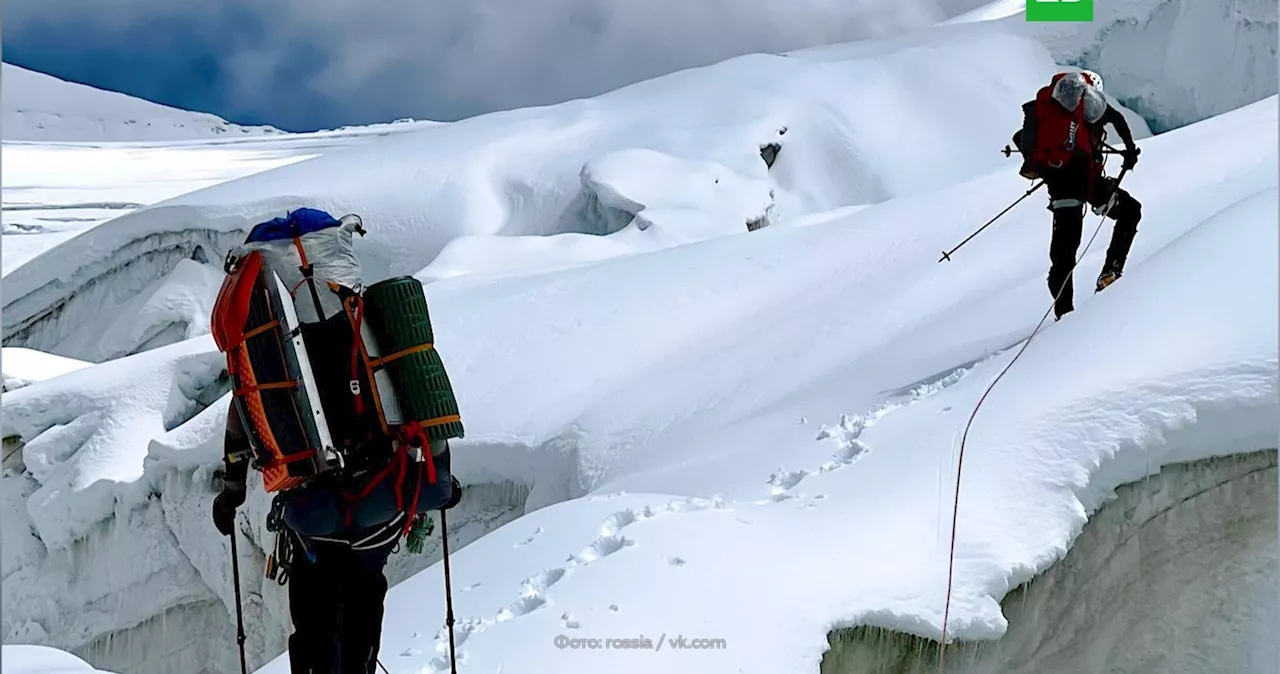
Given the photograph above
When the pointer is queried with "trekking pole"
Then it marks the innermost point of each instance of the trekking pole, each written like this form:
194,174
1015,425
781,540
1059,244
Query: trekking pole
448,592
947,255
1106,149
235,575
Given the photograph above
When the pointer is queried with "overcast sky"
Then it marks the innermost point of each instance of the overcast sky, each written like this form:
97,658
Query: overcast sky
307,64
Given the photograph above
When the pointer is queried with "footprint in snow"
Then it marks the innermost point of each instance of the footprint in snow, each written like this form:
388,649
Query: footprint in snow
782,482
522,606
848,452
569,622
545,579
462,630
847,433
533,590
531,594
528,540
675,561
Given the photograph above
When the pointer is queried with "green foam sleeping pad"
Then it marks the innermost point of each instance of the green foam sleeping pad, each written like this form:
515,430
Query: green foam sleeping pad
396,312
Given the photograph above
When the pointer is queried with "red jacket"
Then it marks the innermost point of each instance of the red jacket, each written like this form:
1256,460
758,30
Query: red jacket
1062,136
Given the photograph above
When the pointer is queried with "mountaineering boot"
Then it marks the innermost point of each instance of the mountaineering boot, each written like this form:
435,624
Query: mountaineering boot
1106,278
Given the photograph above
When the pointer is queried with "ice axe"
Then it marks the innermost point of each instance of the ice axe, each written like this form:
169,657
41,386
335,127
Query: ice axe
946,256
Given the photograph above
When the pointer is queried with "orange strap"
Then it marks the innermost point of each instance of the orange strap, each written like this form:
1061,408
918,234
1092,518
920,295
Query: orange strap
302,254
291,458
266,387
261,329
379,362
440,421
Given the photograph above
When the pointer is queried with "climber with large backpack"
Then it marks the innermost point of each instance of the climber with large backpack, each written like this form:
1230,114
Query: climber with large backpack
342,405
1063,142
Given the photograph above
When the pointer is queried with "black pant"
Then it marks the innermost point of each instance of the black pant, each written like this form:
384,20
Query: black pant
1069,191
336,603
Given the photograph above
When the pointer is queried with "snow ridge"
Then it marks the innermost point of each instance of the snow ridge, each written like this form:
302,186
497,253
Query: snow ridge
40,107
522,173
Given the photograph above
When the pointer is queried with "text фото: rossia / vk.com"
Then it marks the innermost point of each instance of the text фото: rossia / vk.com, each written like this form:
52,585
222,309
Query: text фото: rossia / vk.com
640,643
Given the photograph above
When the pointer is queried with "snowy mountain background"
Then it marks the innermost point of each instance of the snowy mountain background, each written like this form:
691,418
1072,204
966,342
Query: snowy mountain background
39,107
713,375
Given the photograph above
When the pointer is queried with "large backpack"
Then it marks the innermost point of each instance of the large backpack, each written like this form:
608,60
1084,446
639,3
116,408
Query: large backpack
1065,111
327,374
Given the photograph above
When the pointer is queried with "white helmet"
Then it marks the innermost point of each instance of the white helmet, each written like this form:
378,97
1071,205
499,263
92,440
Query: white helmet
1094,79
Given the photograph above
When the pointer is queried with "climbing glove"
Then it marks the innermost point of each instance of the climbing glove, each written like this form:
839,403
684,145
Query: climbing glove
224,509
1130,158
456,497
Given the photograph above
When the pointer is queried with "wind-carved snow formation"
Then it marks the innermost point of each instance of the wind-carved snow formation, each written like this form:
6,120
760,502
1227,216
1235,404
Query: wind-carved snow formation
644,418
639,200
521,173
107,547
1175,62
1189,551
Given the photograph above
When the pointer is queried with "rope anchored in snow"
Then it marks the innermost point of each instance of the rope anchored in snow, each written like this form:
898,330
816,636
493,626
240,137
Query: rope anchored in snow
955,509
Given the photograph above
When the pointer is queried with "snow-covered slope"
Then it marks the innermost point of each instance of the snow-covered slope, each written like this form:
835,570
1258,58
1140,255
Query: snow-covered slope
25,366
54,191
40,107
76,156
856,126
758,428
22,659
698,455
724,487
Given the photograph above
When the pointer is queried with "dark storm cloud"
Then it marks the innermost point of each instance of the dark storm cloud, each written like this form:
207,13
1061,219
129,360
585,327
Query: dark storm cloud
303,64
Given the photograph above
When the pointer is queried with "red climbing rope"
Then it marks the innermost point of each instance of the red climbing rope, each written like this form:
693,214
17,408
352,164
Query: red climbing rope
955,509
